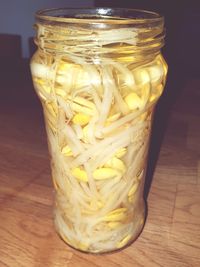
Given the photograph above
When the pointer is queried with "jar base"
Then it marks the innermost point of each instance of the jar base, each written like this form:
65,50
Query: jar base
111,251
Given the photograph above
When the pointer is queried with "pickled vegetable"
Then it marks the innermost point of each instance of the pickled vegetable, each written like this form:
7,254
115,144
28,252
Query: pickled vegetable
98,119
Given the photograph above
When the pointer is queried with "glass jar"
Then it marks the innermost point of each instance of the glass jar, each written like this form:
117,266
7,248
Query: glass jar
98,73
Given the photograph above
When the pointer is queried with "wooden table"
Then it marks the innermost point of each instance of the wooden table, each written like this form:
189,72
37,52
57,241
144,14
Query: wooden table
171,237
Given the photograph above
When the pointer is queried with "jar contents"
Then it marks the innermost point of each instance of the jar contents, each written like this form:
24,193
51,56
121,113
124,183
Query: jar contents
98,116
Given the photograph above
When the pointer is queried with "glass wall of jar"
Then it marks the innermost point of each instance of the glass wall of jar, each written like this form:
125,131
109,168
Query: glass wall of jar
98,73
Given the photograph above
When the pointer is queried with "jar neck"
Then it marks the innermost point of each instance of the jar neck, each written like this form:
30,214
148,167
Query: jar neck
97,40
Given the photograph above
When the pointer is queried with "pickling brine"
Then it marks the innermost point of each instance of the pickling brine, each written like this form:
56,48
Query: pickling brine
98,74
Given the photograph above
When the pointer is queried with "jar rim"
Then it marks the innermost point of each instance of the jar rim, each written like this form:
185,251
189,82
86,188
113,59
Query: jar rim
119,16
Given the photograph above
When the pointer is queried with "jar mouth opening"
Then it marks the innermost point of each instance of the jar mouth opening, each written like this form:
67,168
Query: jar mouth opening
98,15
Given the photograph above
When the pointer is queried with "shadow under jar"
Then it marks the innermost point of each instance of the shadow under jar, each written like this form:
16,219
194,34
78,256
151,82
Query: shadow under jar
98,74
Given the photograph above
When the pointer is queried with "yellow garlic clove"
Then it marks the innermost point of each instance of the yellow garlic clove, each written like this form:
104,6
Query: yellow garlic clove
133,101
64,67
133,189
143,80
131,198
65,74
116,215
119,210
41,71
88,211
141,76
83,246
143,117
39,81
124,241
81,119
61,80
105,173
96,204
145,91
47,89
72,76
52,109
156,73
121,152
80,174
66,151
114,225
40,84
61,93
156,92
116,163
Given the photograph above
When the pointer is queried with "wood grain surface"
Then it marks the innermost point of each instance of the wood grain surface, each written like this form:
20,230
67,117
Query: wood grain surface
171,236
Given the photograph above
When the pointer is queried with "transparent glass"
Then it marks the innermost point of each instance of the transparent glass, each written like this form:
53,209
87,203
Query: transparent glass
98,73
